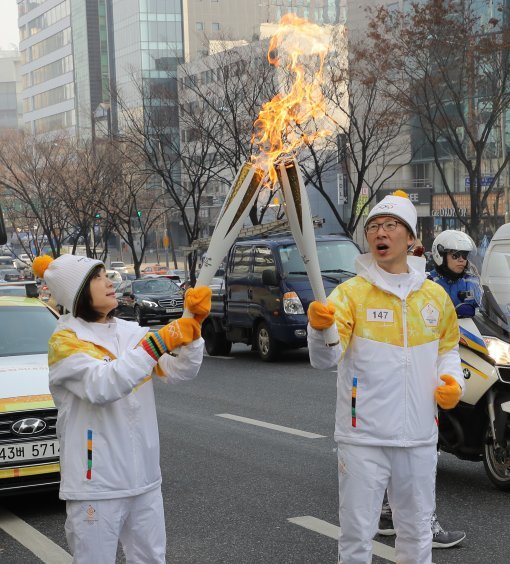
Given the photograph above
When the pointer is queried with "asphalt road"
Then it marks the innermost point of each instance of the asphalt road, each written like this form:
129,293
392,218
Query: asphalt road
232,486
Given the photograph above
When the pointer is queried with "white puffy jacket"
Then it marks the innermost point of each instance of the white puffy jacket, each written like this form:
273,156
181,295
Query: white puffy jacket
397,343
101,383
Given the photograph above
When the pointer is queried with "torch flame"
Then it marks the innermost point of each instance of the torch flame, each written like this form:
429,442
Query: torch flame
277,125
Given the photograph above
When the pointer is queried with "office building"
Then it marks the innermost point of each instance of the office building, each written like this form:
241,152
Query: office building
64,64
10,88
206,21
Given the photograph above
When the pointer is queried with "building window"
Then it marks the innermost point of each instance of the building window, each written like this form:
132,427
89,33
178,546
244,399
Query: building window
55,122
199,26
215,26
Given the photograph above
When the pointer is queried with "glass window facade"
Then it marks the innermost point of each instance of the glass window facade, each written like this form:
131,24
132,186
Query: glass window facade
54,122
45,20
54,96
47,72
60,39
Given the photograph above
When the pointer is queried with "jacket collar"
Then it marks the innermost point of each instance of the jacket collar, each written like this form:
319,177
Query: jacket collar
366,268
129,333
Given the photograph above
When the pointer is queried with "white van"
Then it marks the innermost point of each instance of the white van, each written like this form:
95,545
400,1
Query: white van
496,268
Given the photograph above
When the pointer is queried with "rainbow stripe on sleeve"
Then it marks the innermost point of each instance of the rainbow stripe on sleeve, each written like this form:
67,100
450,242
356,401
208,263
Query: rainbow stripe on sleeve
89,454
353,404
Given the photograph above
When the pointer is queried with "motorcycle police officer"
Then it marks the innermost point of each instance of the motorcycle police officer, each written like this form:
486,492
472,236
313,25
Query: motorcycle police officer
453,271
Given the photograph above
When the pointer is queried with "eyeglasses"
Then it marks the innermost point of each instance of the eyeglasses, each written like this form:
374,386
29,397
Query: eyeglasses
386,225
459,254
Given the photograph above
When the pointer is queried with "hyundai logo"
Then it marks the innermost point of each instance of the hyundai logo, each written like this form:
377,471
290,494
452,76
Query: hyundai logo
29,426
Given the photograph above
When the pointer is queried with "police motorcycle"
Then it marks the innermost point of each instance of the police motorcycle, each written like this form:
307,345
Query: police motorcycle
478,429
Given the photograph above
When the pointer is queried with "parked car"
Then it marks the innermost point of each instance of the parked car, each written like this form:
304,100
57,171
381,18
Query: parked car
154,269
266,293
29,448
11,275
119,266
7,261
23,261
148,299
115,277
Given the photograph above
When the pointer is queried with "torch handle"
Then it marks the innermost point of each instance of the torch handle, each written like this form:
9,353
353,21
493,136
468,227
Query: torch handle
236,207
297,208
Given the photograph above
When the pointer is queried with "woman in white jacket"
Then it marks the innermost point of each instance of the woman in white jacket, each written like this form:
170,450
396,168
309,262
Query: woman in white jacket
101,380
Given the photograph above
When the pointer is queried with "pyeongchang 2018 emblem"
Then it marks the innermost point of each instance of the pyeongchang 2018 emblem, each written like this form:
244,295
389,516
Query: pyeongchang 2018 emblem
430,315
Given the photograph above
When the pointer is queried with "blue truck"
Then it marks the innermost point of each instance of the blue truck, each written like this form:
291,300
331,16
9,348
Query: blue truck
266,292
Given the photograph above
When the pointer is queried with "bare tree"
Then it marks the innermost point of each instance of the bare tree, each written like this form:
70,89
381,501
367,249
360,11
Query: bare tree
134,204
28,178
448,66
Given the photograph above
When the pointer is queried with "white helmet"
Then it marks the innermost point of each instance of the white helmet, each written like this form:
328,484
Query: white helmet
451,240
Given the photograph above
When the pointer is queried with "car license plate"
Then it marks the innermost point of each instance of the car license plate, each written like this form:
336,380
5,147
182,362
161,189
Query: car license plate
173,309
29,451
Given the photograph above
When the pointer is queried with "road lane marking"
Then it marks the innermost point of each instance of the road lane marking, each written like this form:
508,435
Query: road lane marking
272,426
332,531
44,548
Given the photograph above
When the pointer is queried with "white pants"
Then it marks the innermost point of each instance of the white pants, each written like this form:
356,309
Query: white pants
409,474
94,528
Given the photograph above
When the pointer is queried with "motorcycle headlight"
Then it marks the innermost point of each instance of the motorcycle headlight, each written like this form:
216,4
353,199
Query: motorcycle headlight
499,350
149,303
292,304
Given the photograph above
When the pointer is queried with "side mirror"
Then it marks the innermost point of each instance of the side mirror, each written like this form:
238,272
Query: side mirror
270,277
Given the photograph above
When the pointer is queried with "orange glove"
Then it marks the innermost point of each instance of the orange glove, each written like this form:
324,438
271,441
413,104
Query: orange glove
321,316
448,394
198,302
177,333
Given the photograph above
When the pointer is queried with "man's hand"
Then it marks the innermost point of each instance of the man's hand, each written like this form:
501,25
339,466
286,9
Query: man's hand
321,316
448,395
198,302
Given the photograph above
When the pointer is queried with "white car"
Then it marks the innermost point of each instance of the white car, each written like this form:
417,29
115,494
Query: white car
29,448
23,261
119,266
115,277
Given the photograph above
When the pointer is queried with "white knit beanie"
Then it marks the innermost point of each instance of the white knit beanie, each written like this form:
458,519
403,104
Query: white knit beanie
66,277
396,205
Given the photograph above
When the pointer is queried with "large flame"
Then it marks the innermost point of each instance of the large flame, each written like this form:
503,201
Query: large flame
277,128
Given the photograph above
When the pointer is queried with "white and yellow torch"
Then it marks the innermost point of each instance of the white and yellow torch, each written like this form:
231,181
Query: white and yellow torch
236,207
297,208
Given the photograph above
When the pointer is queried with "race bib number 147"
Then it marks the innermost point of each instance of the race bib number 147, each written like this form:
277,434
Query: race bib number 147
381,315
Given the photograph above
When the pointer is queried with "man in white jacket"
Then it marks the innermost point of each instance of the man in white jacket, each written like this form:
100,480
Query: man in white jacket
398,339
101,371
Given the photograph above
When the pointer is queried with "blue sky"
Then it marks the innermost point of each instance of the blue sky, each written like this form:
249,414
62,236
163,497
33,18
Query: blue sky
9,24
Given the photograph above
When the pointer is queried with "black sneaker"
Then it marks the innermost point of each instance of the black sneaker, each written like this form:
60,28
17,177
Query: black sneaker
442,538
386,527
447,539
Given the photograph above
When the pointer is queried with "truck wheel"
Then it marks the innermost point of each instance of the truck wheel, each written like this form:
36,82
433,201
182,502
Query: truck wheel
216,342
497,461
267,346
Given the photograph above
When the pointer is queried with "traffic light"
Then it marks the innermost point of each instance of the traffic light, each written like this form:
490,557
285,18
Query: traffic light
97,215
139,213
